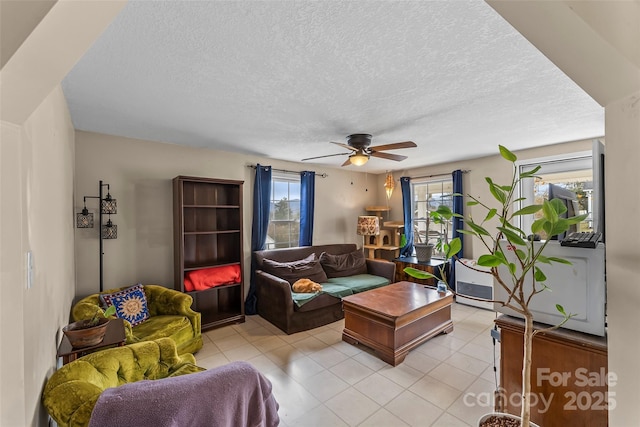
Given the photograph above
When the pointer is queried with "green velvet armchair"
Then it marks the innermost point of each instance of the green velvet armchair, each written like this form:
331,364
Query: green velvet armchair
72,391
170,316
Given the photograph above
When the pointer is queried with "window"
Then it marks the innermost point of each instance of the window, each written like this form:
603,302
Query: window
427,196
573,173
284,212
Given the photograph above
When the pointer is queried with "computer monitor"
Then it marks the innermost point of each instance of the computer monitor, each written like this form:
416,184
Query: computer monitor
570,200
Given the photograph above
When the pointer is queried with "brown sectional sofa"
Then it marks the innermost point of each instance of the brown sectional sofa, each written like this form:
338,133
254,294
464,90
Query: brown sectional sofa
276,303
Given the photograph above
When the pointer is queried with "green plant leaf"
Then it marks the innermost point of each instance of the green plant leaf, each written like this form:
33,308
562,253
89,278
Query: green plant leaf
528,210
506,154
550,214
496,191
418,274
489,261
472,203
490,214
501,256
561,310
110,311
543,259
512,237
576,219
531,173
444,210
467,232
510,226
539,275
559,260
454,247
478,229
559,227
512,268
521,254
558,206
537,225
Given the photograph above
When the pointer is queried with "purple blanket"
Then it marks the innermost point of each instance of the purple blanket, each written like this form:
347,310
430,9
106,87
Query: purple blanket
232,395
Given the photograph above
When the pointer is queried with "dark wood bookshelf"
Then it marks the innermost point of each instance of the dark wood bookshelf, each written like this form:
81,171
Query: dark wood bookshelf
207,215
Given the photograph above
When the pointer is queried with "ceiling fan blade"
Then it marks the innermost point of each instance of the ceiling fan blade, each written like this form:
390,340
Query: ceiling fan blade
328,155
394,146
388,156
347,163
348,147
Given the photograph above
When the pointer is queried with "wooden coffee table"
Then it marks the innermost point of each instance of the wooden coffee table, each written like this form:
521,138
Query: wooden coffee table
394,319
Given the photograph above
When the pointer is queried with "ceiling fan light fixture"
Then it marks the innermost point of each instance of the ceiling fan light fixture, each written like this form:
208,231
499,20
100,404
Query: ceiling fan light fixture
358,159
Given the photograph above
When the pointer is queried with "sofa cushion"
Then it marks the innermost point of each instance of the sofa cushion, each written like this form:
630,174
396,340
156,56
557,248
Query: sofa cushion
307,268
130,303
317,302
176,327
359,282
343,265
328,289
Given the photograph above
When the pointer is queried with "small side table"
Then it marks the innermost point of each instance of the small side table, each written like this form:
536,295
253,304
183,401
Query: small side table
113,337
432,266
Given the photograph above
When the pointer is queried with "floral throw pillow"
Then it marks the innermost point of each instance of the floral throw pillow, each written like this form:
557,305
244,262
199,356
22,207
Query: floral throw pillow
130,303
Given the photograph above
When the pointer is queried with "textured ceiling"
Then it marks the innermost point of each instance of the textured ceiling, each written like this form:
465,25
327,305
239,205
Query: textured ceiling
281,79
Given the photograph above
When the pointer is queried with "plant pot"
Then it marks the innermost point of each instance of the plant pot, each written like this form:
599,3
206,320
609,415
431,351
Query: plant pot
80,336
484,420
423,251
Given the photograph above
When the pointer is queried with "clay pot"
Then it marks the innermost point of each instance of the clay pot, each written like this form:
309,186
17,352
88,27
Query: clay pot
80,336
507,419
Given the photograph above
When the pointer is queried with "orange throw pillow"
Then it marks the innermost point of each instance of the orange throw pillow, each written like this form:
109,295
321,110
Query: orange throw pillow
199,280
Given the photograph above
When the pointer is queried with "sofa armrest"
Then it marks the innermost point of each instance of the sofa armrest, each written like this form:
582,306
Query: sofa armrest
384,269
274,291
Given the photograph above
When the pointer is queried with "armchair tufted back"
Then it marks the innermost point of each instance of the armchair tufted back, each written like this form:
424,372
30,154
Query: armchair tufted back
72,391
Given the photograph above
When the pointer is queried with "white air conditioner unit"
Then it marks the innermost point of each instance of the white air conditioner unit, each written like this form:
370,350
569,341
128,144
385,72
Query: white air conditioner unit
473,283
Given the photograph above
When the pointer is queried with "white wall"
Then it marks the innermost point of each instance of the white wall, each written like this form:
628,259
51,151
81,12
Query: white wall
35,215
43,42
140,173
622,126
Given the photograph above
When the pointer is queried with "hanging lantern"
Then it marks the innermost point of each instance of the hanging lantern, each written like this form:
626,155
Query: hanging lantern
389,185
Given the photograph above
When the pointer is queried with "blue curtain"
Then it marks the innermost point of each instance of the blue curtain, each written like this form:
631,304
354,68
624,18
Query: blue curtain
407,209
307,195
261,201
458,223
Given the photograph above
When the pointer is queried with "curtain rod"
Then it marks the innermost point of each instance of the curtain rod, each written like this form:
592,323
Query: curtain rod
321,175
438,174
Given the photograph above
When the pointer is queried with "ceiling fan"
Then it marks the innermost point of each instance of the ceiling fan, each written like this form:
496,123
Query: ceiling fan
358,144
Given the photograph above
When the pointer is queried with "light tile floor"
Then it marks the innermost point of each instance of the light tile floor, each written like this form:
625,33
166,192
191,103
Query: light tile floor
319,380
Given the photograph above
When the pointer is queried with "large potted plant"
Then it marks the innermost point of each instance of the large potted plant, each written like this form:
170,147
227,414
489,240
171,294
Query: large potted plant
424,250
511,272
